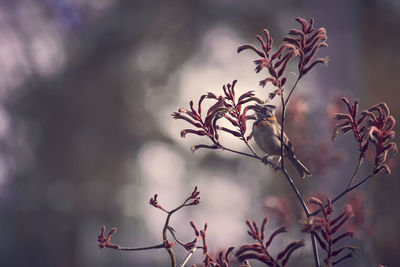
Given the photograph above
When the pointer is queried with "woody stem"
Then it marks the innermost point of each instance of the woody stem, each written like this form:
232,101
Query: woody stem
355,172
289,179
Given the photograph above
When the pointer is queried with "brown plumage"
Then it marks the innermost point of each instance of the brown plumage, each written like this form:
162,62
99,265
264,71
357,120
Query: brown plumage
267,134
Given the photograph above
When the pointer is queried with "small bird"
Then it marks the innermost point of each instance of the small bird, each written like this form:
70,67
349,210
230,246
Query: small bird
267,134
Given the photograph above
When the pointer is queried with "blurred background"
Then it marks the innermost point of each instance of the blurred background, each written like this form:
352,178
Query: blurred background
86,93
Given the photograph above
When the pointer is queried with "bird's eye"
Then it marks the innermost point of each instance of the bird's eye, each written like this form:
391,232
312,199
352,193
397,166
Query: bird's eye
264,110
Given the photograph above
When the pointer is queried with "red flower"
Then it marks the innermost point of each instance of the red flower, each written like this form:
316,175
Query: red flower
374,125
259,251
326,229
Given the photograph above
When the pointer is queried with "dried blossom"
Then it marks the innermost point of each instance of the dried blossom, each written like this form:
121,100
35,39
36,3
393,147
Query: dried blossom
193,199
375,125
259,251
227,107
326,231
154,202
105,241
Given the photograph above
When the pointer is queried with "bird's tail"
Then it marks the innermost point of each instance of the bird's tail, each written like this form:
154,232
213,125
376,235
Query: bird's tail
301,169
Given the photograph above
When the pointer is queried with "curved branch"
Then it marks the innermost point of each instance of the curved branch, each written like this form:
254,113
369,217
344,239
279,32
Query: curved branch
355,172
291,91
139,248
346,191
289,179
165,239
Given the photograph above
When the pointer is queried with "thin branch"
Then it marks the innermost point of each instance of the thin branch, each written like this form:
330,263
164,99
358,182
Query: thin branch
188,256
248,145
355,172
171,231
290,180
345,192
139,248
165,238
315,250
291,91
299,197
240,153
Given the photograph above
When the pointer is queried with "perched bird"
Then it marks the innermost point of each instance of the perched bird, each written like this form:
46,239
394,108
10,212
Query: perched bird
267,134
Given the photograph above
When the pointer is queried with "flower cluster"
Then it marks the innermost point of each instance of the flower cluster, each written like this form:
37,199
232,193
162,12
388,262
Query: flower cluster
226,106
349,122
326,229
303,43
380,133
276,63
259,251
375,125
308,43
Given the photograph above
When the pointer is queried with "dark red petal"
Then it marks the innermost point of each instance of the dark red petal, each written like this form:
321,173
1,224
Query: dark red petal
191,131
251,47
196,147
264,46
304,24
282,229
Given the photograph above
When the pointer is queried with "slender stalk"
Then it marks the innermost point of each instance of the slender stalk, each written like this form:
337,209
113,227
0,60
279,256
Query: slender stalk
188,257
190,254
168,228
248,145
296,191
240,153
165,239
140,248
355,172
291,91
289,179
345,192
315,250
255,156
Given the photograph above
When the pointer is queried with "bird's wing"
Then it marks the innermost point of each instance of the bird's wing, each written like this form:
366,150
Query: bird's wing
286,142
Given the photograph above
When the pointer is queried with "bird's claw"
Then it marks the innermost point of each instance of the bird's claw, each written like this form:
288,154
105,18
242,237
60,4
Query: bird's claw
266,161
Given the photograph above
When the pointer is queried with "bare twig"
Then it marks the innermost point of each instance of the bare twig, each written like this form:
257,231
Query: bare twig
140,248
355,172
315,250
190,254
165,237
346,191
248,145
291,91
240,153
289,179
254,155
